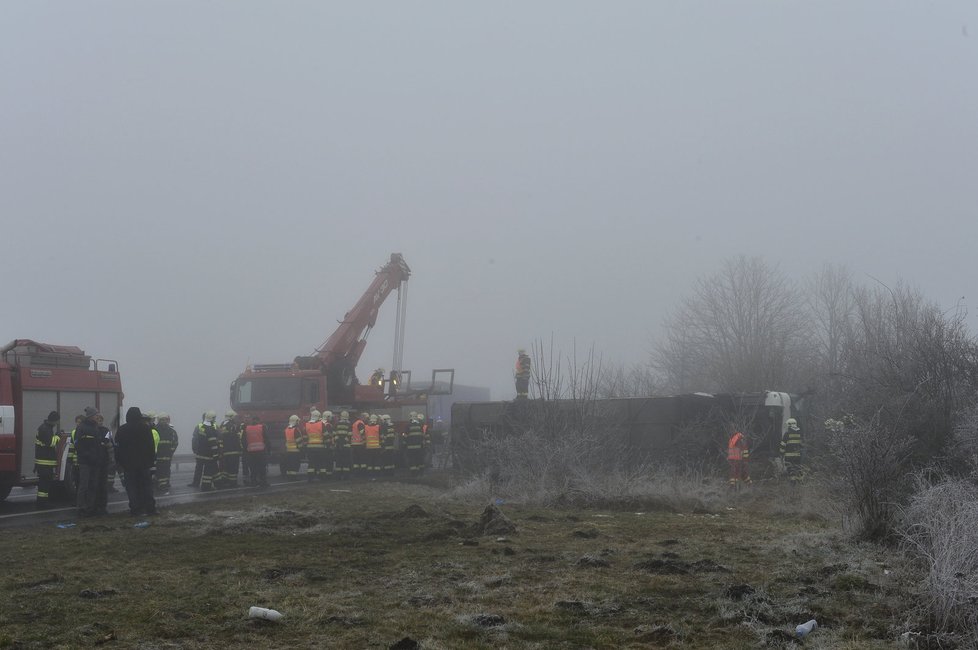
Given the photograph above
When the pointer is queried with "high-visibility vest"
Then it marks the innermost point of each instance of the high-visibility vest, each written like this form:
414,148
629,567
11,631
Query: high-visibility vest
314,433
371,433
736,447
357,432
156,440
523,366
791,444
255,437
292,439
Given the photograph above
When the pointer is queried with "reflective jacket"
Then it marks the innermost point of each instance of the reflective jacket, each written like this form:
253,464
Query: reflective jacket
791,444
415,435
168,442
342,435
371,434
293,439
255,438
737,447
356,432
314,434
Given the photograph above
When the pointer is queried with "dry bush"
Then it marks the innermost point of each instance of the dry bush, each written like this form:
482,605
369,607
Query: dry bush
941,530
872,464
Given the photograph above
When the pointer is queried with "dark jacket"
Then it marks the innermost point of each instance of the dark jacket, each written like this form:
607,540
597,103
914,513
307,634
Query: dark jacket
88,443
135,448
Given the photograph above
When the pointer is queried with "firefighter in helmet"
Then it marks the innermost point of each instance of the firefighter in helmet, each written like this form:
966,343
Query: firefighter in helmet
294,444
45,457
791,445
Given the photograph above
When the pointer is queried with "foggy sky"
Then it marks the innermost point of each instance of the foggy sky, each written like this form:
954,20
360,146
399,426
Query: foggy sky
188,187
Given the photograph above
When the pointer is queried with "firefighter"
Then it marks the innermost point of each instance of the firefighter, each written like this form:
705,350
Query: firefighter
522,374
230,449
107,443
791,444
389,438
46,457
164,452
343,452
414,444
72,472
210,452
315,446
358,444
373,450
91,461
294,444
377,379
329,435
198,444
256,453
738,453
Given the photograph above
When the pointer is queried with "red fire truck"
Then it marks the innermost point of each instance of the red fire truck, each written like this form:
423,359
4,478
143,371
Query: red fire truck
37,378
328,379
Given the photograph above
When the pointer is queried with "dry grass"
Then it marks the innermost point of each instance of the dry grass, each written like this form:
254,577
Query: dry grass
390,560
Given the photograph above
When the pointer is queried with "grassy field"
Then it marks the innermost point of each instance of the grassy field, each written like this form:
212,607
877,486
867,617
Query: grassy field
390,563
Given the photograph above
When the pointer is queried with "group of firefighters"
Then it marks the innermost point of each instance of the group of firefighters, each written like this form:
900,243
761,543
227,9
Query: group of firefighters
93,458
363,445
738,455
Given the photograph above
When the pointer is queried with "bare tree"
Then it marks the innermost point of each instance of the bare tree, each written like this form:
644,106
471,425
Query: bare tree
743,329
629,381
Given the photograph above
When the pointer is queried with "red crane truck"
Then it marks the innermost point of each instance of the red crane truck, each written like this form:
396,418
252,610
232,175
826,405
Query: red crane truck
328,379
37,378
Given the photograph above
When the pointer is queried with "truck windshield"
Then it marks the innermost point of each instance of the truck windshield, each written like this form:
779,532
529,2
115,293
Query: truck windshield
269,392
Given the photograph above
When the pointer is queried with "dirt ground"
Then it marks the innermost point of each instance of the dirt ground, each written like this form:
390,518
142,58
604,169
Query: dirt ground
378,565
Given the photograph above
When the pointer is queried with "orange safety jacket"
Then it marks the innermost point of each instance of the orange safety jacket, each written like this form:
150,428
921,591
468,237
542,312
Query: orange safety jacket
371,433
356,432
737,447
255,437
292,437
314,434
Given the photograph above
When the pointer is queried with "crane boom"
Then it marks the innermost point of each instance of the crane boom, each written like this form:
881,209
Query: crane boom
345,345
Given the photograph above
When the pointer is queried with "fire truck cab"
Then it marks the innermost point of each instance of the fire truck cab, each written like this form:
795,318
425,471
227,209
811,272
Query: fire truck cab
37,378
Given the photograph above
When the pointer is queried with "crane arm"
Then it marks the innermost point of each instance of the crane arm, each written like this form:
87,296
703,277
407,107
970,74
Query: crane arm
347,342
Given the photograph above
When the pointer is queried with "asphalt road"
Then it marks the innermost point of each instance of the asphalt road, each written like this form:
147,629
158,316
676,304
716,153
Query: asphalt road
18,508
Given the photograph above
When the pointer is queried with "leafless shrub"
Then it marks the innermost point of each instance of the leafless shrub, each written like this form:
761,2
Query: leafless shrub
872,464
941,530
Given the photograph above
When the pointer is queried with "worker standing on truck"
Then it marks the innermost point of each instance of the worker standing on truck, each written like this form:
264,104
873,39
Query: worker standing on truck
46,457
164,452
522,374
377,379
791,443
738,453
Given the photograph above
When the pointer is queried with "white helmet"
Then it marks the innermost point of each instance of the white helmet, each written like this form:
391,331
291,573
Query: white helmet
230,413
327,415
386,417
210,416
163,416
314,415
792,424
344,415
293,420
373,419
